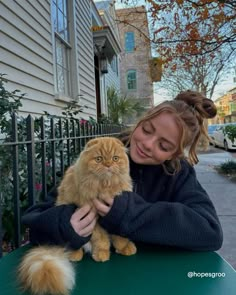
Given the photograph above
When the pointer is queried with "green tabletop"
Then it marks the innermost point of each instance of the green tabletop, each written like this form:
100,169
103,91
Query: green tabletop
150,271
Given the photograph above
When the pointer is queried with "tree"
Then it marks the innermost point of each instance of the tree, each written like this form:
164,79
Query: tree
120,108
188,34
196,40
201,73
189,27
230,130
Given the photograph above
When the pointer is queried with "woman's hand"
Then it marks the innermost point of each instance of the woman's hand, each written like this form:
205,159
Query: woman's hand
83,220
103,207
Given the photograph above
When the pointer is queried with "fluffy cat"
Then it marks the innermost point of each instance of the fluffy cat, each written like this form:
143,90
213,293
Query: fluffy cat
101,171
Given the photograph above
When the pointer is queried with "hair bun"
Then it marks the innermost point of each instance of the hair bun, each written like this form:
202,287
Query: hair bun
204,106
209,107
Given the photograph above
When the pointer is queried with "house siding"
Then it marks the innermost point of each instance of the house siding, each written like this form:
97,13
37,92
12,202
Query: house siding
26,51
84,43
26,54
112,79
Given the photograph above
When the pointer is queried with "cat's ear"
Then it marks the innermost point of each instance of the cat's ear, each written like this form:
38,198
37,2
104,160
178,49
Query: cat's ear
91,142
95,141
118,141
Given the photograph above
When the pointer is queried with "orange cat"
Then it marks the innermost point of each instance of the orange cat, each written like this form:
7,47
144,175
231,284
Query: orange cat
101,171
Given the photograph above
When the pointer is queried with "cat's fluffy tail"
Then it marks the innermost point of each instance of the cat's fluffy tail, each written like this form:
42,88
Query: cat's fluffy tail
46,270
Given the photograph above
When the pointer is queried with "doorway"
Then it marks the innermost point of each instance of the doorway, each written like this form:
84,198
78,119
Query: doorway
97,86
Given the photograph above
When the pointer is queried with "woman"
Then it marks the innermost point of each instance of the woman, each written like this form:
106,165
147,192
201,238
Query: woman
167,207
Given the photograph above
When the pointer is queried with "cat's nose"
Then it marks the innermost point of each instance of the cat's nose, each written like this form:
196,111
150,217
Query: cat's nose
107,164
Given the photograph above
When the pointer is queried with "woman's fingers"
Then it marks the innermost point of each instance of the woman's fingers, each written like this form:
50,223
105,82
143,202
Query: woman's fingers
87,231
103,207
84,220
80,213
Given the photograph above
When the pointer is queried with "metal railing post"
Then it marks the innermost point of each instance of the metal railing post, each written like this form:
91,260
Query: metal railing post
15,174
31,159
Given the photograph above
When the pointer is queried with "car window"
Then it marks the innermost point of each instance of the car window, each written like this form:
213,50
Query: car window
212,128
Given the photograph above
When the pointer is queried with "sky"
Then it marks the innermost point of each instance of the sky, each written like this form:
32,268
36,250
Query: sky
162,94
220,89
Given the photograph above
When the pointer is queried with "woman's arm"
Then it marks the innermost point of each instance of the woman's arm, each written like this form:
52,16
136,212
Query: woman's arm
59,225
189,222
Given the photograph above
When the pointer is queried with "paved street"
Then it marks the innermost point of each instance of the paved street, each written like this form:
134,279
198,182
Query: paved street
223,194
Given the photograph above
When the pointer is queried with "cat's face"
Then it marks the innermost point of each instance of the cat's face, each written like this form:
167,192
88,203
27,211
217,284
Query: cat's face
105,157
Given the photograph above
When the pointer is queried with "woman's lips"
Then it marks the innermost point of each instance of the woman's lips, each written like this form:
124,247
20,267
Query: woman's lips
141,153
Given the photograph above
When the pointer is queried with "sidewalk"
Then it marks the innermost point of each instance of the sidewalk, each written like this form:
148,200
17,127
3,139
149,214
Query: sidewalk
222,192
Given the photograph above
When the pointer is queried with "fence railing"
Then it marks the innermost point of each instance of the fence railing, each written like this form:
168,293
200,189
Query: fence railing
33,159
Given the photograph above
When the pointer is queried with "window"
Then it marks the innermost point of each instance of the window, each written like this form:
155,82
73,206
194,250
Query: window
131,80
62,46
129,42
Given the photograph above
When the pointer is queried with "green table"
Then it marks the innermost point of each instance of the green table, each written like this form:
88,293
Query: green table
150,271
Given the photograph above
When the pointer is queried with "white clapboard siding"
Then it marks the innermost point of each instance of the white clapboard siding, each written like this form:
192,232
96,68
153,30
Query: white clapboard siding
26,53
41,107
112,79
23,40
20,77
85,55
22,20
12,45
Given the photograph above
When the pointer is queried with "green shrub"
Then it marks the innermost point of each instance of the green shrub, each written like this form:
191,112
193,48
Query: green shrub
230,130
10,102
120,108
228,167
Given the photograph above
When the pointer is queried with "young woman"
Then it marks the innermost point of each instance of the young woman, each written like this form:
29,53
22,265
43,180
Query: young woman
167,207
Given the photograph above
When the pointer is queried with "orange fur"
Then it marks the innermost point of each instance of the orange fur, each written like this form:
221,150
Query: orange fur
88,179
46,270
101,171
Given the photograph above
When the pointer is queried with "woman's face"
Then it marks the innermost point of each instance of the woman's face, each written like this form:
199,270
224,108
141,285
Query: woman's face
156,140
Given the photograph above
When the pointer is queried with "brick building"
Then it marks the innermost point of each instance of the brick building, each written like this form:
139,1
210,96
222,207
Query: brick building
226,108
135,56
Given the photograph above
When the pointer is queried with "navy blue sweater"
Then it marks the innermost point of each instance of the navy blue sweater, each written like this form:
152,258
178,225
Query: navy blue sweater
162,210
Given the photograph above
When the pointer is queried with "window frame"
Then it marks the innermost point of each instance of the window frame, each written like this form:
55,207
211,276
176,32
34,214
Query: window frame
127,50
64,64
127,82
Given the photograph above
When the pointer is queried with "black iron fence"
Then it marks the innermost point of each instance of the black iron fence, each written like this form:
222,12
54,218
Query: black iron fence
33,159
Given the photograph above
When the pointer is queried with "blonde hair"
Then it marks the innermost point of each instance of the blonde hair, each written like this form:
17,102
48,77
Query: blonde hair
190,108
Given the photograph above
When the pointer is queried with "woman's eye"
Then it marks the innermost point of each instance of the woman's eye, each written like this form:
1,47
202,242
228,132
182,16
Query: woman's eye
98,159
146,131
163,148
115,158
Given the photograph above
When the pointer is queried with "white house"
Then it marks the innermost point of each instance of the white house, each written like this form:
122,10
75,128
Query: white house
107,12
50,50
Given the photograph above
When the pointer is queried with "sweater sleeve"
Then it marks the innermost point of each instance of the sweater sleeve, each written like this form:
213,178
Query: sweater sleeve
51,225
189,221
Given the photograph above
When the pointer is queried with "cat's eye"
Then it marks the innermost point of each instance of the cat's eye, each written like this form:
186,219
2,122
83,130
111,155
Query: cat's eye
98,159
115,158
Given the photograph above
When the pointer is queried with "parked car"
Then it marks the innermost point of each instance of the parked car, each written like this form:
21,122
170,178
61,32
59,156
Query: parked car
221,139
211,129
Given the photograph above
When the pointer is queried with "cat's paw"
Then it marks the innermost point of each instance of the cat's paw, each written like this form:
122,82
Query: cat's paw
101,255
76,255
129,249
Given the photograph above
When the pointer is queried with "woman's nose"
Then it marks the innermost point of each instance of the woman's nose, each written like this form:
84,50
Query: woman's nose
148,144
